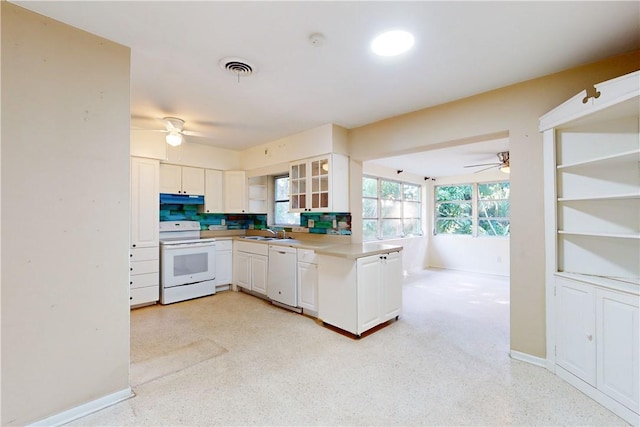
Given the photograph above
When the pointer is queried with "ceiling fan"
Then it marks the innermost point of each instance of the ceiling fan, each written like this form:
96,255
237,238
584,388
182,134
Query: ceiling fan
502,165
175,132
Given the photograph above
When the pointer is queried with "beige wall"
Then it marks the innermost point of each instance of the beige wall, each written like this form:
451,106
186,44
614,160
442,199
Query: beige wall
514,109
65,219
153,145
328,138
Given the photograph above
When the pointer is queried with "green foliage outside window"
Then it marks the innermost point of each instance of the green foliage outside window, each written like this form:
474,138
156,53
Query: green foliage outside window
493,209
454,209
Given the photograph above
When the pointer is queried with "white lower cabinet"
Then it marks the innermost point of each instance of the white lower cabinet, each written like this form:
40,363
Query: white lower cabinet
617,339
391,285
144,276
575,318
224,262
597,339
251,261
308,281
357,295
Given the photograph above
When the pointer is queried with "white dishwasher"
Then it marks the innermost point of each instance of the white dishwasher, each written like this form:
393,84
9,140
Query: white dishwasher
281,283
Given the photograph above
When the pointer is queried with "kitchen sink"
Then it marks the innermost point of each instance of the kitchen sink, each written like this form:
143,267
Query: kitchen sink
261,238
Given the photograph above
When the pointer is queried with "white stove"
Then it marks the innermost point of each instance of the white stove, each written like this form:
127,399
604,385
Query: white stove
187,262
174,232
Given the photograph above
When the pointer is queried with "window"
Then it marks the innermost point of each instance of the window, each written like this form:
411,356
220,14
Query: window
454,209
390,209
493,209
281,213
472,209
282,216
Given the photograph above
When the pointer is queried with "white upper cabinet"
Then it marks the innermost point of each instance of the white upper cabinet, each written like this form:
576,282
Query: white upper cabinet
235,192
144,202
213,193
176,179
319,184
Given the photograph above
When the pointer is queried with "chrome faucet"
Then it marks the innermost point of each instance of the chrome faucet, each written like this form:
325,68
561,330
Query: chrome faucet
275,233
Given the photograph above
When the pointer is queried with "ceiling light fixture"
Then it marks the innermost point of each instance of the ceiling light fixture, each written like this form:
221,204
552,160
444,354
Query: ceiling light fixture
392,43
174,138
505,168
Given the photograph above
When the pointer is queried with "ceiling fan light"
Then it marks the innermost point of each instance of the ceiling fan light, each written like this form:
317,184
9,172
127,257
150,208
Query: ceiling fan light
174,139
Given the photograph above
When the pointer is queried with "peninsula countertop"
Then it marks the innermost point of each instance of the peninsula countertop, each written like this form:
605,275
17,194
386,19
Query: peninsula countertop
345,250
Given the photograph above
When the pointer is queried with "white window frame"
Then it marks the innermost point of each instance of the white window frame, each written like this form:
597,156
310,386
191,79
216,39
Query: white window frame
276,201
402,201
475,201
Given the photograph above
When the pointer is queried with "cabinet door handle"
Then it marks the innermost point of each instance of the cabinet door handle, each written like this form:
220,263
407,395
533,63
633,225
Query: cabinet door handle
590,337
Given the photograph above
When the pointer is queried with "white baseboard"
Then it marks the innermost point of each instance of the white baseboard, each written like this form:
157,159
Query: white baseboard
620,410
524,357
85,409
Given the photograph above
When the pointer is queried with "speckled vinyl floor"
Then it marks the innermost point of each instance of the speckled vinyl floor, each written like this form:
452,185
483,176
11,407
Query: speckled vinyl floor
233,359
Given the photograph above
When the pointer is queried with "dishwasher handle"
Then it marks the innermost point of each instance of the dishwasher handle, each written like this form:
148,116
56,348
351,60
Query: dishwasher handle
281,250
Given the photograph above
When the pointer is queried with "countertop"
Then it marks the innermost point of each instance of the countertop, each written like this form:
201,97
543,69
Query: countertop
358,250
351,251
338,246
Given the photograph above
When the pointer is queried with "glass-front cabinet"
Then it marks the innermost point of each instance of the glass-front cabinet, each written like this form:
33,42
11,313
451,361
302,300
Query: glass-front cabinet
298,187
319,184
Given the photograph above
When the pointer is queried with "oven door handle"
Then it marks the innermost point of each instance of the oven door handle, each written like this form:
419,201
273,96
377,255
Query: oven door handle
190,245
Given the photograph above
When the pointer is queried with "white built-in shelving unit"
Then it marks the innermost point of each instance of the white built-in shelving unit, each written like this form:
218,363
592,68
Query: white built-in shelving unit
592,217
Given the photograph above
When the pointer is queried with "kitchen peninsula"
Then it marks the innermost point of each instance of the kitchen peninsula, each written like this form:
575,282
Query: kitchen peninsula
358,286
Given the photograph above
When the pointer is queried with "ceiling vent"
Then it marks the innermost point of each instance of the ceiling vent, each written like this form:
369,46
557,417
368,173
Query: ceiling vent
237,66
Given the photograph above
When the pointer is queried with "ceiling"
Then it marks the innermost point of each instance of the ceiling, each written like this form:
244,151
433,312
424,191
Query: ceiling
461,49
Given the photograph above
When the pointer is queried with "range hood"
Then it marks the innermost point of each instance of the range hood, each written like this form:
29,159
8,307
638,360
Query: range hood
180,199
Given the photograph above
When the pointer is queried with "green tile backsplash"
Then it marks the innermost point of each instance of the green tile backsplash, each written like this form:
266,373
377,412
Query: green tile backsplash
232,221
322,223
326,223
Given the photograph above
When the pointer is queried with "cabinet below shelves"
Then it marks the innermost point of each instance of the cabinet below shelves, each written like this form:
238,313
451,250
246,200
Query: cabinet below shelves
597,338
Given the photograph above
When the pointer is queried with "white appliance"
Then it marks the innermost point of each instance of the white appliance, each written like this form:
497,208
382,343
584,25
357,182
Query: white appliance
187,262
281,282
